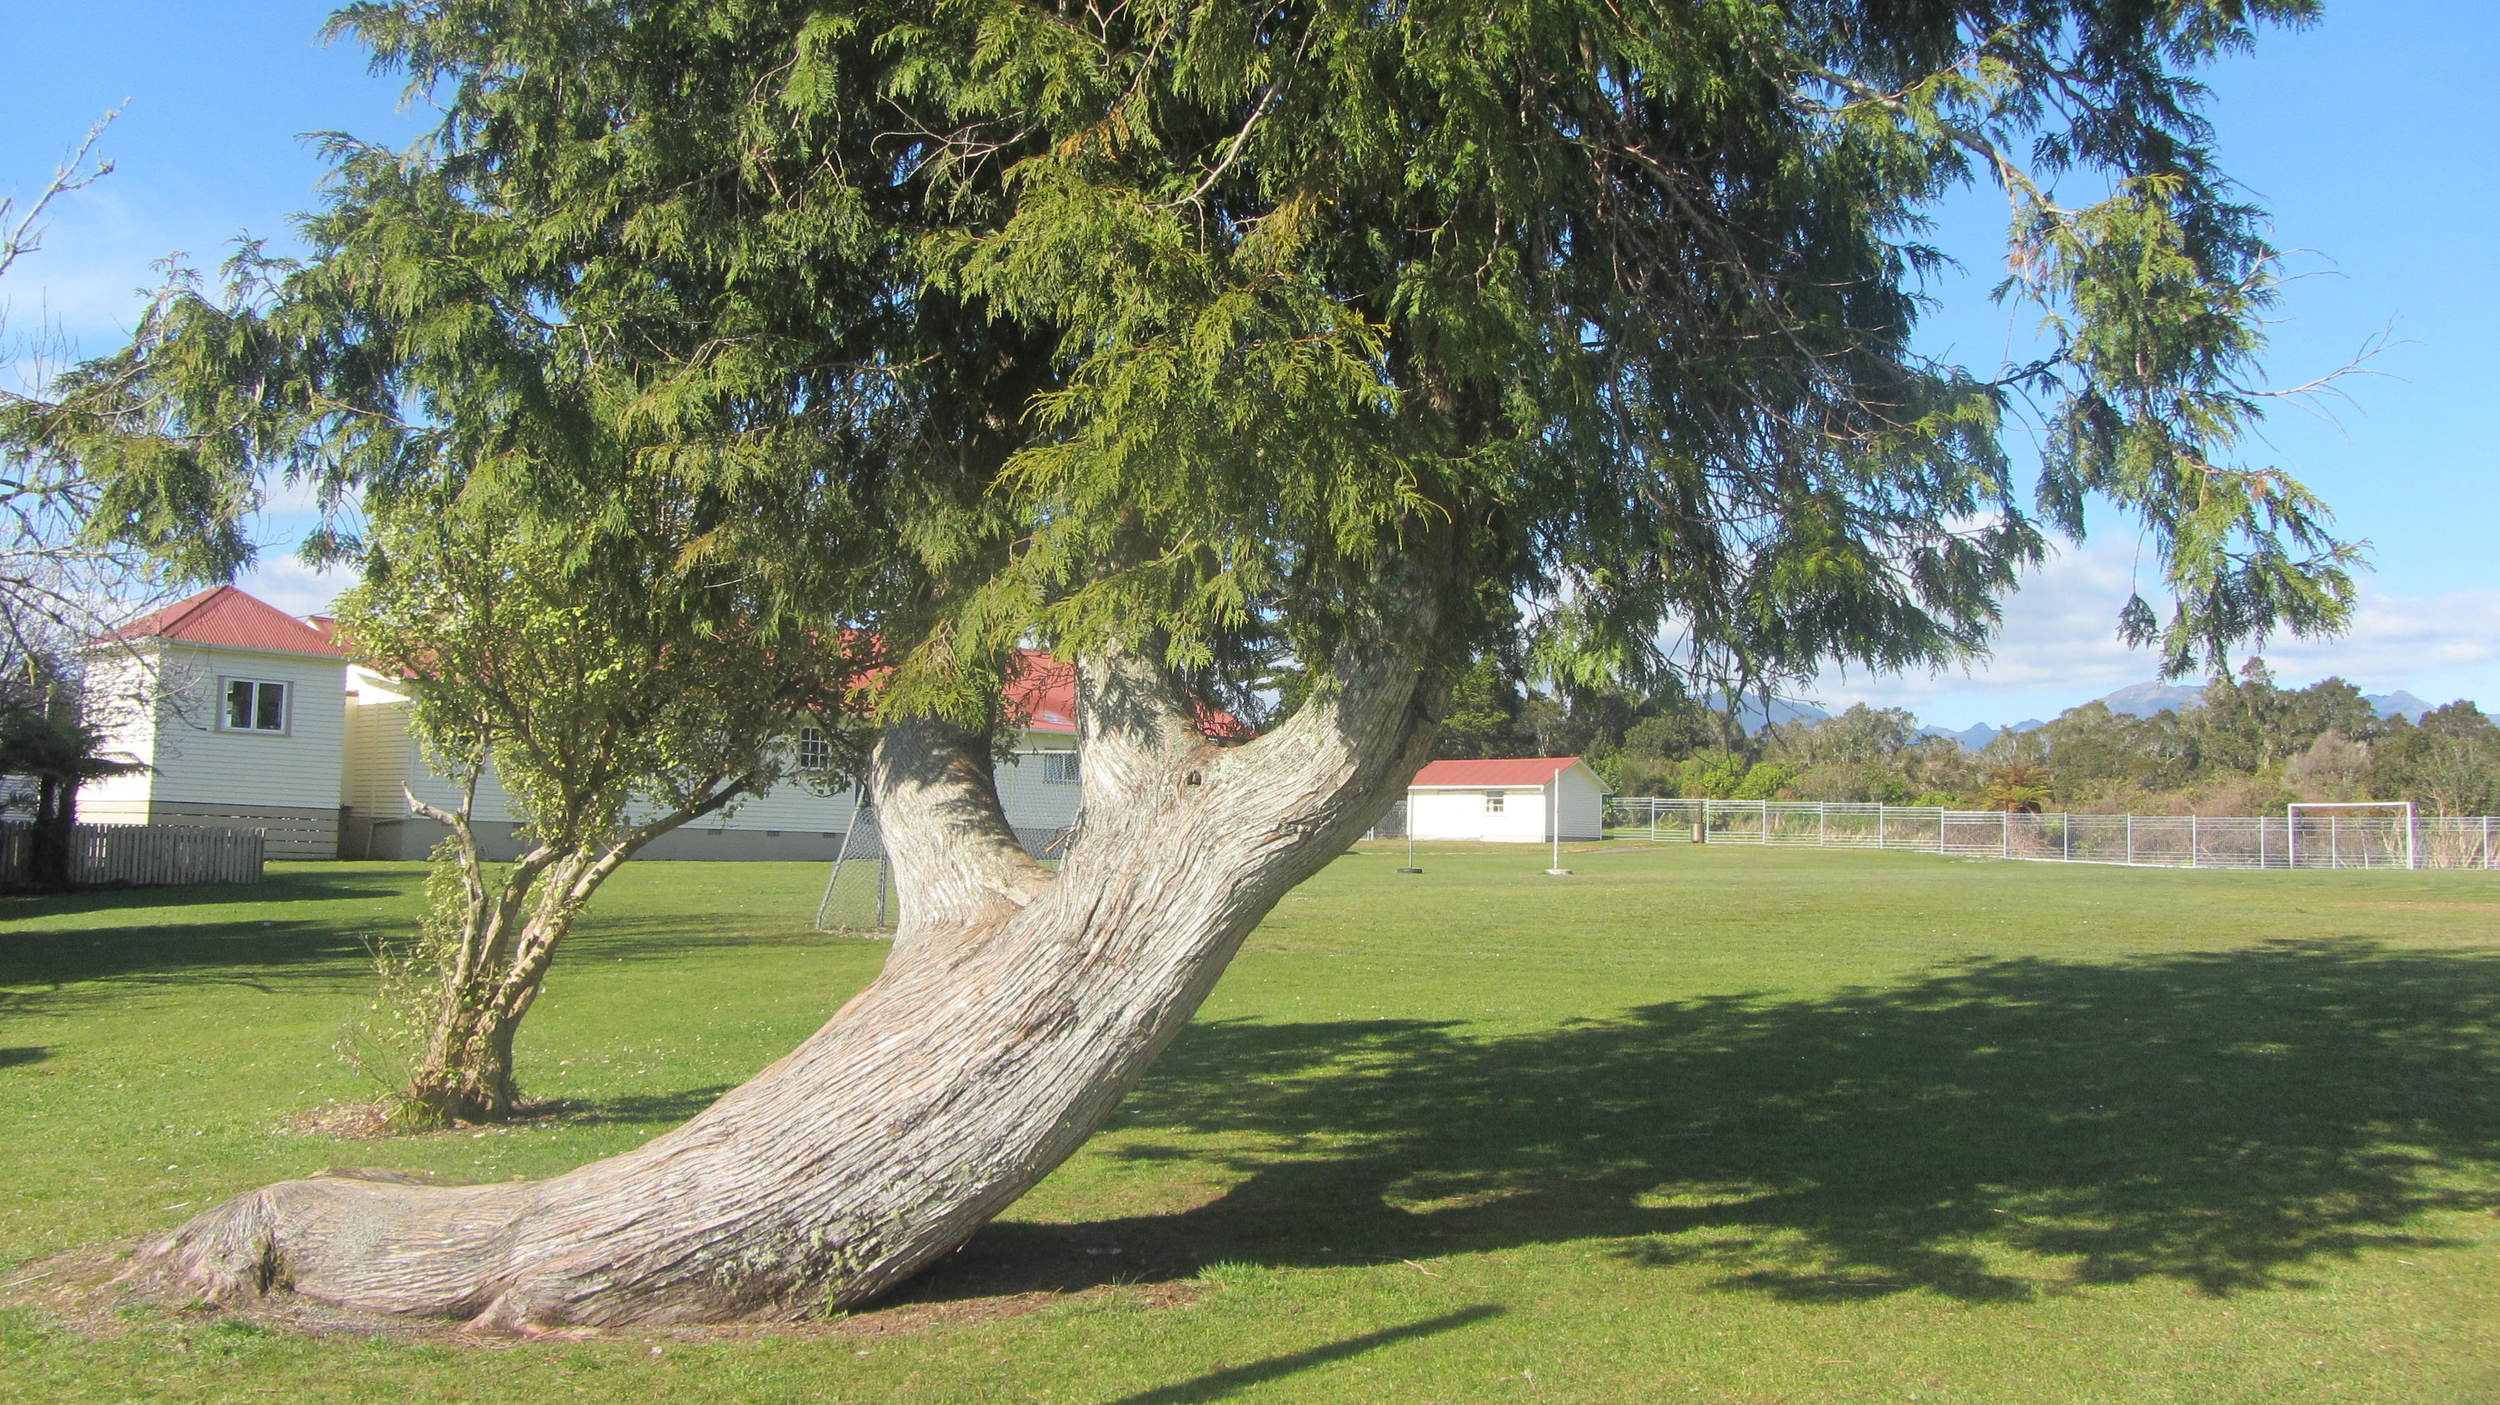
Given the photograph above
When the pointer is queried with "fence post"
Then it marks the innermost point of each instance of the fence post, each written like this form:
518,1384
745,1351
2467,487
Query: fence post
2005,834
1879,825
1822,824
2130,837
2191,839
2066,838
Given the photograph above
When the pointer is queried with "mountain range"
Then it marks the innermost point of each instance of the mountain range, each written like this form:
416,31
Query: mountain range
2134,700
2153,698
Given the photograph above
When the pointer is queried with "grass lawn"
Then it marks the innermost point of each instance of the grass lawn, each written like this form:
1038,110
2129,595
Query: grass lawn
1719,1124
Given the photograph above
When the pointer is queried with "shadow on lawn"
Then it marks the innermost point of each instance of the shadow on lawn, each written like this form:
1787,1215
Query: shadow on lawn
235,933
240,934
2000,1129
1215,1385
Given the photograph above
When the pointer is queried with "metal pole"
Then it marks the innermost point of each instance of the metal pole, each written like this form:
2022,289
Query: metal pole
2066,838
2191,840
2131,837
1553,817
2005,834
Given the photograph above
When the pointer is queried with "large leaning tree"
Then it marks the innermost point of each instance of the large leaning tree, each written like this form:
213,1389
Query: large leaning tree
1194,339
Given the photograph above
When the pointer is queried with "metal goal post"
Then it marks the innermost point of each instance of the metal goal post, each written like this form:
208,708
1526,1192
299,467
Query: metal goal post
2406,829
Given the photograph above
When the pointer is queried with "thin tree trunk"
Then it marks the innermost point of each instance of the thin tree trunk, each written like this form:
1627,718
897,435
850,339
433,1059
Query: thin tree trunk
52,835
1017,1009
465,1073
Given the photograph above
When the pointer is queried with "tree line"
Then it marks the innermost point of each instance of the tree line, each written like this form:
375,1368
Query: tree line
2249,747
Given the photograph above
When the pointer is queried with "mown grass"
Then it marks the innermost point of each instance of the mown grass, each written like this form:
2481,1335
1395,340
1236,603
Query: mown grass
1725,1124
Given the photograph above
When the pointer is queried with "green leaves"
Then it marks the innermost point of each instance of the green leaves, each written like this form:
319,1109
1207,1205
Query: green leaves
976,323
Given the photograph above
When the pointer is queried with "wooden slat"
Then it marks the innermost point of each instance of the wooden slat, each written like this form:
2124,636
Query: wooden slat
146,855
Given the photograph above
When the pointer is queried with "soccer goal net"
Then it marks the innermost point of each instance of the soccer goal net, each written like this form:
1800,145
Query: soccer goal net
859,892
2351,834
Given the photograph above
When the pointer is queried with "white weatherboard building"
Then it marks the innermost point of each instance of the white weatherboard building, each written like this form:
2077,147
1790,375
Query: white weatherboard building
1507,801
237,707
254,719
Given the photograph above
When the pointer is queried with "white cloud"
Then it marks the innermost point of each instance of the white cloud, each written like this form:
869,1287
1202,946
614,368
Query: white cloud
295,587
2059,647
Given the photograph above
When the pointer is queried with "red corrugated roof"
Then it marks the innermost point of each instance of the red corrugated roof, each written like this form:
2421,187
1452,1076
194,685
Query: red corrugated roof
1045,691
1534,770
224,615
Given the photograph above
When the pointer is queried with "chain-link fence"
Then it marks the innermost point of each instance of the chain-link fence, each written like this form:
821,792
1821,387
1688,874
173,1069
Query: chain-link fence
2335,840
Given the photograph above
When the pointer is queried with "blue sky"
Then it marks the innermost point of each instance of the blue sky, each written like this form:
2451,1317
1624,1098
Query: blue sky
2370,137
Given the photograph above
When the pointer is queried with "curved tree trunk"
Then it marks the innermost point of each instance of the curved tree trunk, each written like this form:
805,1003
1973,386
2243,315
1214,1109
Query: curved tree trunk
1017,1009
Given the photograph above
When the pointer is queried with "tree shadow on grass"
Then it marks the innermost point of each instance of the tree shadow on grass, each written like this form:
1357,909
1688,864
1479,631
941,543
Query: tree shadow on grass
1997,1130
240,933
1215,1385
651,1109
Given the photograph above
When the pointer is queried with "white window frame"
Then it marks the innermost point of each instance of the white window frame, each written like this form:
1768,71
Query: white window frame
1061,768
1493,801
815,749
225,706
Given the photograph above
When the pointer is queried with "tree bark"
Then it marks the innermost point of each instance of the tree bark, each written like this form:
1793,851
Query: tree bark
505,943
1016,1010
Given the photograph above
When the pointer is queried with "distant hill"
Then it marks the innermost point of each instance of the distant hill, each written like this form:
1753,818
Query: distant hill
2153,699
1753,717
1977,736
2397,704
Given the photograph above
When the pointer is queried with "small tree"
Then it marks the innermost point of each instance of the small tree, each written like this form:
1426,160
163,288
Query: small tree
610,703
2019,789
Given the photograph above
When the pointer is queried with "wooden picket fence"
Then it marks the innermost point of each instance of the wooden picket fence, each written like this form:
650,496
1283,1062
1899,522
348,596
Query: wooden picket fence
143,855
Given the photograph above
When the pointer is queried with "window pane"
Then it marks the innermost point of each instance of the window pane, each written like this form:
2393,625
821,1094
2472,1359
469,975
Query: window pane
272,716
239,705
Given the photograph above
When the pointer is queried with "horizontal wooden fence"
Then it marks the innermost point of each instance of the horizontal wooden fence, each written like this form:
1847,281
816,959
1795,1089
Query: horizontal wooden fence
145,855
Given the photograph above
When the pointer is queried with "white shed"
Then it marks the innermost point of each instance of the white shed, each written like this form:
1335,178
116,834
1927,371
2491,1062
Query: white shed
1523,801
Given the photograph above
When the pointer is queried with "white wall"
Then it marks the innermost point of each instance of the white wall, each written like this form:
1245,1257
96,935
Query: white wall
384,755
1461,814
199,762
1583,804
1032,802
124,684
